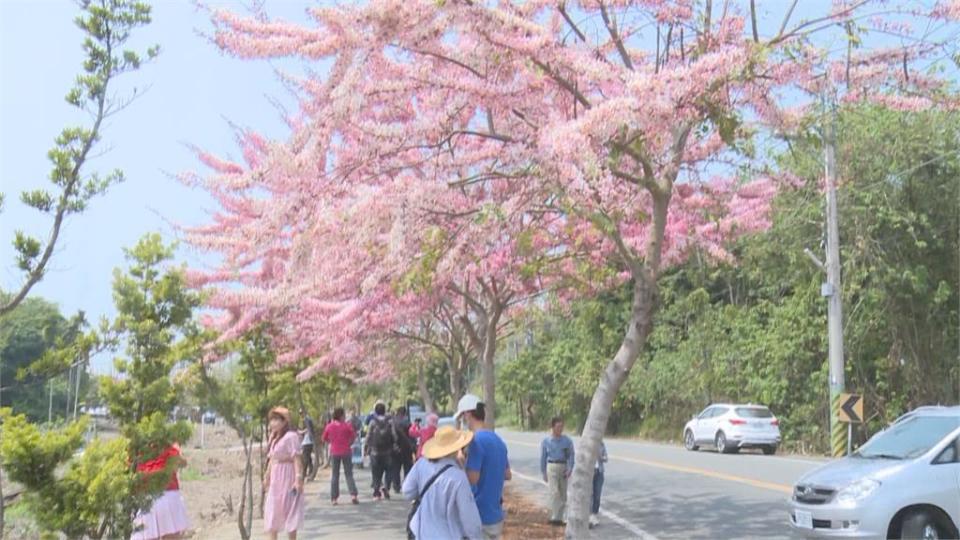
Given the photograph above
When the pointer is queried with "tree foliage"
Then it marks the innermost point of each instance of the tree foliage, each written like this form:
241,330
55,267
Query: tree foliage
27,334
756,331
100,491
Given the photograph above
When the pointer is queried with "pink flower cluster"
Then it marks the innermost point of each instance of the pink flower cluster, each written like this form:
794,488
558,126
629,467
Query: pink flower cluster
460,159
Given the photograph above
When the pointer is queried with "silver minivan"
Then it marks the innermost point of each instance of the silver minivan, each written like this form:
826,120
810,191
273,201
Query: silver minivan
903,483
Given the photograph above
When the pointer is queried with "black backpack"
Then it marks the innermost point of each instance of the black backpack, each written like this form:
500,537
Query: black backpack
381,434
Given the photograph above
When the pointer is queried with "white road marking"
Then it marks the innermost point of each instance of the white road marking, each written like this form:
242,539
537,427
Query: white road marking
637,532
782,488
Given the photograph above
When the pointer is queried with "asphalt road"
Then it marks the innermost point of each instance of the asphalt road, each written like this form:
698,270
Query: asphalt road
665,492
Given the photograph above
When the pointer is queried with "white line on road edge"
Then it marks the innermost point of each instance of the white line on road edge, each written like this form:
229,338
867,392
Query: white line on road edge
782,488
630,527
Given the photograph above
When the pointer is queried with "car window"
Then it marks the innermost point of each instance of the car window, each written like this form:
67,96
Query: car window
950,454
706,413
910,438
754,412
719,411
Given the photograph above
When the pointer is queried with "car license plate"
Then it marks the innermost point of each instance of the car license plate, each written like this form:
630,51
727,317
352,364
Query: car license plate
804,519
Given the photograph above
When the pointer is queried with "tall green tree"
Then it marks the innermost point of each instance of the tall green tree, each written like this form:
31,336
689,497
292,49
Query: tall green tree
26,334
101,491
107,25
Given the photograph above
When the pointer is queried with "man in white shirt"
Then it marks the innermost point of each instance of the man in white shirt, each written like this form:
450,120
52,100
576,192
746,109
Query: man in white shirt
447,508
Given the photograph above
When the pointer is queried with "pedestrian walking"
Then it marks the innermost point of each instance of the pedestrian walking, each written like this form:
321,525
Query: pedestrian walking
402,458
415,430
308,436
556,464
167,517
379,445
427,433
488,466
598,470
356,422
284,503
444,507
340,436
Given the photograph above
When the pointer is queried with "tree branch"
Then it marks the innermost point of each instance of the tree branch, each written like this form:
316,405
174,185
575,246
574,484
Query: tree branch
615,36
563,11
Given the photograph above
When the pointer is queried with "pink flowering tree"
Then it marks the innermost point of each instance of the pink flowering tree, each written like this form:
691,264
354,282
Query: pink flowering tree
460,150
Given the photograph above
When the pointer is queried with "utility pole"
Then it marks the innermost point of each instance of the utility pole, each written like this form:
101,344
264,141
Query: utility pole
832,288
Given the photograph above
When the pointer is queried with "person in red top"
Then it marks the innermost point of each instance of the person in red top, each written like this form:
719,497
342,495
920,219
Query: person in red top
340,436
427,433
167,518
414,431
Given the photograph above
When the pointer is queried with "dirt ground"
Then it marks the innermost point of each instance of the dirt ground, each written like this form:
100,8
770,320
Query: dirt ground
212,481
526,520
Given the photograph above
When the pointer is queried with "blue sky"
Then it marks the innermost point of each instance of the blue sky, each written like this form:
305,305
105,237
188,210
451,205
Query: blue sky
193,91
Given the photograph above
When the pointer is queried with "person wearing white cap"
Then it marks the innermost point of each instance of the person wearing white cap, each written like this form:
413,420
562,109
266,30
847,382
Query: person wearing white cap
443,507
487,465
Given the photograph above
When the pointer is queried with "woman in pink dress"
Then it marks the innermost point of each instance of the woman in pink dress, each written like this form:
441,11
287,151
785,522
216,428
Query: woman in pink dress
283,509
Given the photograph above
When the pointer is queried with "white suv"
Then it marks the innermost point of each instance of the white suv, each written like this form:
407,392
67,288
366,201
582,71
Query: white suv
730,428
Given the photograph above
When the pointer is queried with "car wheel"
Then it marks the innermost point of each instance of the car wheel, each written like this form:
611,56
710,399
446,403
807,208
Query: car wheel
689,442
923,525
770,450
721,444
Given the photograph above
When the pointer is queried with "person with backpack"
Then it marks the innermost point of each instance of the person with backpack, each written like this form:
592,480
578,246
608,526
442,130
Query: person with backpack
402,458
379,445
443,504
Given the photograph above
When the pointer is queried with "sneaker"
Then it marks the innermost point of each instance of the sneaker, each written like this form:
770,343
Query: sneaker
335,503
376,496
594,520
386,494
355,500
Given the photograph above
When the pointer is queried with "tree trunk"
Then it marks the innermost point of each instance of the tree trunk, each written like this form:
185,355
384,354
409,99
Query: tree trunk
428,404
488,368
263,470
245,511
456,379
612,378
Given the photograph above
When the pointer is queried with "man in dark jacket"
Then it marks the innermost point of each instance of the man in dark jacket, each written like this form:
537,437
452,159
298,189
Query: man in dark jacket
379,445
403,452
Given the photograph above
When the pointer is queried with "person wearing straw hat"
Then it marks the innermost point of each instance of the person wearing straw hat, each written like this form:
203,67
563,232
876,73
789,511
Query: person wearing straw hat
444,507
283,506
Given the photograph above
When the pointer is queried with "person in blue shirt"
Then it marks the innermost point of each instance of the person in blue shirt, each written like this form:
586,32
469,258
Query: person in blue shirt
556,464
487,465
